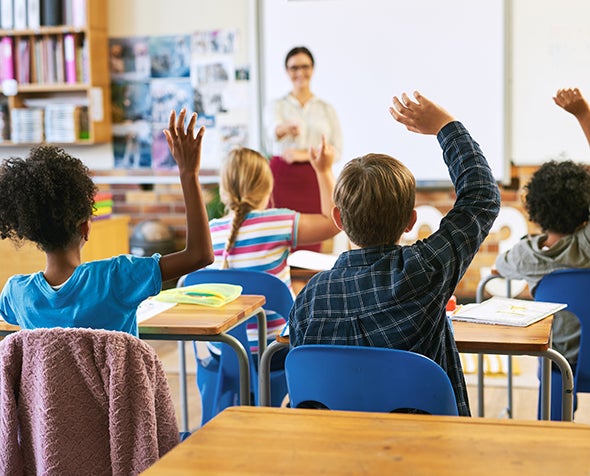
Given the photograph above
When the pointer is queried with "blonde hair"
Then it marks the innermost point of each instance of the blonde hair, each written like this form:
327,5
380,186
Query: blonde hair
375,195
246,181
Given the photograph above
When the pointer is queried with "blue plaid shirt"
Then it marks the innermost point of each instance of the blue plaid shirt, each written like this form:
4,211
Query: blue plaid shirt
395,296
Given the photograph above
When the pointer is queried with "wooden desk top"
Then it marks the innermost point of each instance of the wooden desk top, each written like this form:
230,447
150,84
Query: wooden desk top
481,338
185,319
263,440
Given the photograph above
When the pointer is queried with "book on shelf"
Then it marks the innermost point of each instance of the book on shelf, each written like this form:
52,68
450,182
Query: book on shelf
78,13
6,14
506,311
20,14
51,12
33,14
70,58
23,60
6,58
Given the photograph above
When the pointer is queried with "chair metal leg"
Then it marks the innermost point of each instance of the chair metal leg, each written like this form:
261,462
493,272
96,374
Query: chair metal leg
264,397
182,386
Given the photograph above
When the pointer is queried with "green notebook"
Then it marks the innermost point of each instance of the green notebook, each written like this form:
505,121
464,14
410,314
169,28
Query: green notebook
207,294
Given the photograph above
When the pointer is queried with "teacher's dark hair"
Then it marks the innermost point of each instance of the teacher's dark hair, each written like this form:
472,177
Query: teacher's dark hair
297,50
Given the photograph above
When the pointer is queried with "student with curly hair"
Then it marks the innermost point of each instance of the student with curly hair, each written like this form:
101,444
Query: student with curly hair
48,199
557,199
252,236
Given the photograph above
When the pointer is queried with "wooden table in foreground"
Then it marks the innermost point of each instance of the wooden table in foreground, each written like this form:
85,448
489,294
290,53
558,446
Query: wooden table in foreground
262,440
203,323
482,339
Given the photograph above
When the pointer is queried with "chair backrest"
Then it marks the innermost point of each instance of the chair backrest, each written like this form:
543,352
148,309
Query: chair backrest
570,286
277,294
74,399
278,299
367,379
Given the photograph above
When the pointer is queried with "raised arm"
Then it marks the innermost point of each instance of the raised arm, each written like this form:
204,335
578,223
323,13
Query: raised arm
464,228
185,147
572,101
316,227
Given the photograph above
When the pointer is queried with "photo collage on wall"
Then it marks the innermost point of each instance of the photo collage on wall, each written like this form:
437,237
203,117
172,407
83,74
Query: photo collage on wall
150,76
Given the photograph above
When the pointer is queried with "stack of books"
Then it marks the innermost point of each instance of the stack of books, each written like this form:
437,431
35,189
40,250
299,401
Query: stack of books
103,204
61,123
26,125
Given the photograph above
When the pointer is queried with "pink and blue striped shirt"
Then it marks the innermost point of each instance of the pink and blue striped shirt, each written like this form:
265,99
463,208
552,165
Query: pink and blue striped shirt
264,241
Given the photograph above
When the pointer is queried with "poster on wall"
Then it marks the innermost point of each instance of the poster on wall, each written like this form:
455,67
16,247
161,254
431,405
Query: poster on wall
150,76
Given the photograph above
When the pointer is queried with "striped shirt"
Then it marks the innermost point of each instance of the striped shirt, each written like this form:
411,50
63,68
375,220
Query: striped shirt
264,241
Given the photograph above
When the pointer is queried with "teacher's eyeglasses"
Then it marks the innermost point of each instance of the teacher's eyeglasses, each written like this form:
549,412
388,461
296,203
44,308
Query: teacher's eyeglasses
297,67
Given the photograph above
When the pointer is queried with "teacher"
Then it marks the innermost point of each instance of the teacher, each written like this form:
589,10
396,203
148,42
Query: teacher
293,123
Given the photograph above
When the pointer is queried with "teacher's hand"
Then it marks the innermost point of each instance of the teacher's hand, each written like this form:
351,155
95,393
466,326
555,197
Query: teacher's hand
287,129
322,157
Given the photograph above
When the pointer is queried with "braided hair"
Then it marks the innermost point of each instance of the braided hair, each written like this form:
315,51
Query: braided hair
246,183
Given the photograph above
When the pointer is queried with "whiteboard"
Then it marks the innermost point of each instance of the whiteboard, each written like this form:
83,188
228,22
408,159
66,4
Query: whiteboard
367,51
551,47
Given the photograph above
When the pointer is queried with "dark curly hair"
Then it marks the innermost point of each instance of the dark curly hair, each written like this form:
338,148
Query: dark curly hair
44,198
558,196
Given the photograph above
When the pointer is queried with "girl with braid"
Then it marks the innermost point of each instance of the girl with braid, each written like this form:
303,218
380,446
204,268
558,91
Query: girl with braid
253,236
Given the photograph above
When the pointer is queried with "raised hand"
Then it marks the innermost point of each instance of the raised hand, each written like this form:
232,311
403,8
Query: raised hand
571,100
184,145
419,115
322,157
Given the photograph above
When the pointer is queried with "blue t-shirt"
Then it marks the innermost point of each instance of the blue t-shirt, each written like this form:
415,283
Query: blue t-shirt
100,294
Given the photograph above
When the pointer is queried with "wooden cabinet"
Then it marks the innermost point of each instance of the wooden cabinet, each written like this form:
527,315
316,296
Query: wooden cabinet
108,237
62,77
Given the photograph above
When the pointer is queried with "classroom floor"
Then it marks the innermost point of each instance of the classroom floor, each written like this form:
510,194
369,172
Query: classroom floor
525,388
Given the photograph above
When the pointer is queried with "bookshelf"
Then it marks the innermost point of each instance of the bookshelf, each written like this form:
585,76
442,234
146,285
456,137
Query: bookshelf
60,91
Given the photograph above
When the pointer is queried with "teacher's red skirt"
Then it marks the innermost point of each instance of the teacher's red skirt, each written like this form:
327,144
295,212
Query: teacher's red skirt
296,188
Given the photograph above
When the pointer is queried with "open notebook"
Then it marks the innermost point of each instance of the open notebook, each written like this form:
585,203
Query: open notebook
507,311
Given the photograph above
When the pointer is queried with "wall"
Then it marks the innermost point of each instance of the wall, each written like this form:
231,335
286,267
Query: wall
164,201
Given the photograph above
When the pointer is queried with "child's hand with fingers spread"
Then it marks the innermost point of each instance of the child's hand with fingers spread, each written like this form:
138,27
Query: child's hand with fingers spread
184,145
419,115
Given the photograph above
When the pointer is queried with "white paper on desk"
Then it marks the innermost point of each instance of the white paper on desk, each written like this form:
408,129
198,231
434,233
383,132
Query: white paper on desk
507,311
150,308
311,260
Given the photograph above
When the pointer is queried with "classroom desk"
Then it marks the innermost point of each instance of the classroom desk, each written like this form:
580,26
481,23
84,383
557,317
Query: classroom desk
202,323
483,339
532,340
262,440
190,322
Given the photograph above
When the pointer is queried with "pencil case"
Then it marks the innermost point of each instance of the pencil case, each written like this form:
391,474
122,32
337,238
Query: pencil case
207,294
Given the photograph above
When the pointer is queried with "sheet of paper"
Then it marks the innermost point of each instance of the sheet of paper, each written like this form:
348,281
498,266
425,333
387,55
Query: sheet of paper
311,260
507,311
149,308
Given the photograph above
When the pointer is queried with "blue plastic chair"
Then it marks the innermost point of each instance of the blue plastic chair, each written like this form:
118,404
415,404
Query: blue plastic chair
369,379
218,379
569,286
